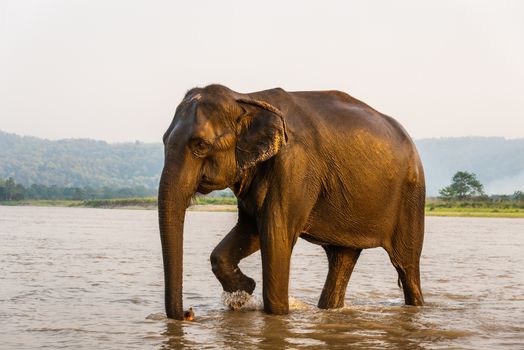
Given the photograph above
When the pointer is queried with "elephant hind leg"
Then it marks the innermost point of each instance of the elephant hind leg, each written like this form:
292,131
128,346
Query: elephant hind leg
407,266
410,277
406,247
341,263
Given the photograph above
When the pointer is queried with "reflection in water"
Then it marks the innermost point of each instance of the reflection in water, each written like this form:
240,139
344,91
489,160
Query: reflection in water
174,336
396,327
88,278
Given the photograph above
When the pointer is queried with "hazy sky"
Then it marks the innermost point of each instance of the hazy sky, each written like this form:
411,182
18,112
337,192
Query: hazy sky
115,70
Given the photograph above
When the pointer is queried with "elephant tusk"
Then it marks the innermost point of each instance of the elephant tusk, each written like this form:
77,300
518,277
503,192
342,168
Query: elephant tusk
242,183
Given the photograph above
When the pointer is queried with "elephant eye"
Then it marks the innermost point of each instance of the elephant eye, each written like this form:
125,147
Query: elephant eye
200,147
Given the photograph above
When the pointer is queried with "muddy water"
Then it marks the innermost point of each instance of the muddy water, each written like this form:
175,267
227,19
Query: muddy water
92,279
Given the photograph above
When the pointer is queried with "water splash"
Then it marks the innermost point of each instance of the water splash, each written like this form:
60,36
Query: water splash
297,304
241,300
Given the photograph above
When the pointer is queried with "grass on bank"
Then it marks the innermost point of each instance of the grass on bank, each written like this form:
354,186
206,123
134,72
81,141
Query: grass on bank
139,203
484,208
434,207
42,203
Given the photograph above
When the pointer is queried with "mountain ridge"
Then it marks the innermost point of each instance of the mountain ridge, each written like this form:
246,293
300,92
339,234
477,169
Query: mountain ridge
497,161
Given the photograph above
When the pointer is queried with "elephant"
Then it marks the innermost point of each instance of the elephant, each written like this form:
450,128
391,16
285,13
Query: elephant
317,165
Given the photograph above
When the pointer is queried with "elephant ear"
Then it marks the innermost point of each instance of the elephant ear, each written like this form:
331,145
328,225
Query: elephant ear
261,132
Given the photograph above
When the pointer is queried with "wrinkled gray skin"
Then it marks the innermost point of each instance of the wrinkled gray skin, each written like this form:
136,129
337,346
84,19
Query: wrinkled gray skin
321,166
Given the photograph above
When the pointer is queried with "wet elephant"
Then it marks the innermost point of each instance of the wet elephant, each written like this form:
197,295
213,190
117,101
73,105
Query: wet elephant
322,166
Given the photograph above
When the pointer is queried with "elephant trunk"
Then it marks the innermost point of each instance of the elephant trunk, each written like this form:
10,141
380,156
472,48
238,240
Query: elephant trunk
177,185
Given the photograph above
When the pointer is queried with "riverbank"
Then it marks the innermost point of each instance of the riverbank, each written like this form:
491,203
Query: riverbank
484,208
476,212
148,203
228,204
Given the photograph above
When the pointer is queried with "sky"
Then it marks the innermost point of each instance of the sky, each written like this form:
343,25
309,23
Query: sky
115,70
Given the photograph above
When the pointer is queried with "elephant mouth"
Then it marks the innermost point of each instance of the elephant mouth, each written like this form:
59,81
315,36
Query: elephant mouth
205,186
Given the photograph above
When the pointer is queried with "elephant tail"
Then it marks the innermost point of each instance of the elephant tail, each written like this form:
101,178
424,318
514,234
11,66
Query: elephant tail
399,282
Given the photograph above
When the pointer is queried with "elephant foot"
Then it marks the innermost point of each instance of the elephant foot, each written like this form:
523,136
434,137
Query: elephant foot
239,282
276,308
329,302
231,278
248,284
237,290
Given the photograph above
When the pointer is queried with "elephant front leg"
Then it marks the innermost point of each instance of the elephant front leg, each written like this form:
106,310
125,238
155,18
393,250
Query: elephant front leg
276,258
239,243
341,263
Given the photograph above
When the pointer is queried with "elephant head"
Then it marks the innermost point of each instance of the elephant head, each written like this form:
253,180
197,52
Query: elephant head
216,135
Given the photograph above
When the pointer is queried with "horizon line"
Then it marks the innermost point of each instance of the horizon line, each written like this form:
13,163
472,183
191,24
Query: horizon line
160,141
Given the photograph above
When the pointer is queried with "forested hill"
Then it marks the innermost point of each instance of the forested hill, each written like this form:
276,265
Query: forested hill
498,163
79,162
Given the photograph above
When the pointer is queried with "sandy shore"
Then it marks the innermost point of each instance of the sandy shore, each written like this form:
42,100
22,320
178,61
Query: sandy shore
213,207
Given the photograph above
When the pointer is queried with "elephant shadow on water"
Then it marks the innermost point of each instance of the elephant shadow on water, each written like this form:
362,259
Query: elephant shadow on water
317,165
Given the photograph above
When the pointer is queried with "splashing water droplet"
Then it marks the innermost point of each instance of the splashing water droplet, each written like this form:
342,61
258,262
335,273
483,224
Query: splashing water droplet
297,304
241,300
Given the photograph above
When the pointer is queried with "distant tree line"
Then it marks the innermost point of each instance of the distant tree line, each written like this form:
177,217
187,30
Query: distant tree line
11,191
465,186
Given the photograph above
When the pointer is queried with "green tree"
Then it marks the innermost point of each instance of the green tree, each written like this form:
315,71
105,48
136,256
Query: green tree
18,192
518,196
3,192
11,191
9,188
464,185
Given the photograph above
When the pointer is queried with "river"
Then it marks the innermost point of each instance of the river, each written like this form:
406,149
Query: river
92,279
